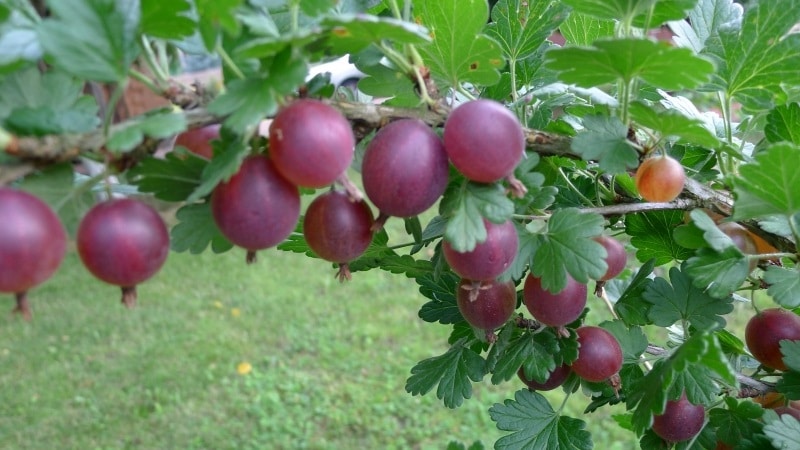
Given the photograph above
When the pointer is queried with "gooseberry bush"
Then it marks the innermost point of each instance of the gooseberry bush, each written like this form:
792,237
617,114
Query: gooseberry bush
551,154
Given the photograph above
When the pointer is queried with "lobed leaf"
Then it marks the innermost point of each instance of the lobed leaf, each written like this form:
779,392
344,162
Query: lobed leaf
520,27
784,286
92,39
460,52
783,124
769,185
534,425
172,178
443,307
736,422
609,61
453,373
651,234
196,229
755,57
605,139
678,300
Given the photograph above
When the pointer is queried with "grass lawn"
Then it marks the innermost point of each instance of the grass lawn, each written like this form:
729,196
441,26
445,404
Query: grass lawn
328,363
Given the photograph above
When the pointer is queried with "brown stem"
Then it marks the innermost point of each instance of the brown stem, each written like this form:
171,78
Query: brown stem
379,222
23,307
344,273
250,258
516,187
353,192
129,296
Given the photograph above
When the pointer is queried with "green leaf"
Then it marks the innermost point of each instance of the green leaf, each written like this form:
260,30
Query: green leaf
608,61
631,306
718,273
651,234
568,246
520,27
631,339
407,265
228,156
605,140
583,29
246,102
452,372
172,178
736,422
756,57
783,124
19,42
441,290
453,445
215,16
56,186
92,39
769,185
40,104
791,354
672,123
533,351
351,33
534,425
682,301
712,235
157,124
465,205
649,13
705,20
382,81
783,431
460,52
784,286
196,229
649,394
789,385
316,7
167,20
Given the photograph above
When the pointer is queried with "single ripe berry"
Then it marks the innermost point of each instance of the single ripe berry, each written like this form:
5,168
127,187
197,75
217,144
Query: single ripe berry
405,168
599,354
616,257
660,179
123,242
338,229
554,310
484,140
32,244
311,143
486,306
488,259
557,377
257,208
766,330
680,421
198,140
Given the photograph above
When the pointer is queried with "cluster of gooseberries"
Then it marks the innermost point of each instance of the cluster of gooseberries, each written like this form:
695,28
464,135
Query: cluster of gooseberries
120,241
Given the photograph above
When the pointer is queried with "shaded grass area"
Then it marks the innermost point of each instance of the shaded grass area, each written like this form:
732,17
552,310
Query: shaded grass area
328,363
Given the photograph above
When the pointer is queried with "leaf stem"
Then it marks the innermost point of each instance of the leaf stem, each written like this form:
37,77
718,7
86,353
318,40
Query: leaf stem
512,66
111,106
226,58
145,80
573,187
395,9
152,61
